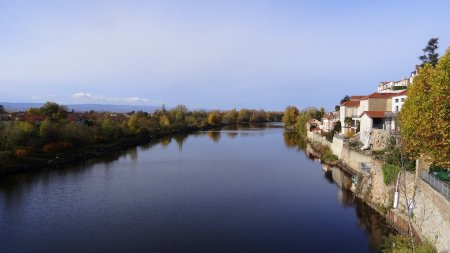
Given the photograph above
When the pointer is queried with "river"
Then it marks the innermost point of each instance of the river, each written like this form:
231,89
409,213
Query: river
238,189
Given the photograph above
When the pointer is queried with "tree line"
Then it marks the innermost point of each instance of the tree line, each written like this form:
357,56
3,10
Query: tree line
52,128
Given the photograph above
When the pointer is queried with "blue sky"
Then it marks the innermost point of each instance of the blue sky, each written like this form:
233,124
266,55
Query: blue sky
211,54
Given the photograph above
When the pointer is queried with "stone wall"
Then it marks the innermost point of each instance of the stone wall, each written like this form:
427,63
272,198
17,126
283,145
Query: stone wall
317,138
431,210
432,216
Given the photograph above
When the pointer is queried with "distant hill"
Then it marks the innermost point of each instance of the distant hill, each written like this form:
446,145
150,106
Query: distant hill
15,107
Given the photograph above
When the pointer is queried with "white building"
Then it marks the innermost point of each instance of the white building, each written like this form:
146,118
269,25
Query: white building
398,101
328,121
397,86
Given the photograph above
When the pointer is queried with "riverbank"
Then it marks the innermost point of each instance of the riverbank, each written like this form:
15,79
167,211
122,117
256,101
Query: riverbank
431,219
38,161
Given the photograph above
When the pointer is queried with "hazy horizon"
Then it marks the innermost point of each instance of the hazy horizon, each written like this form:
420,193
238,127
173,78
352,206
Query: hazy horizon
211,55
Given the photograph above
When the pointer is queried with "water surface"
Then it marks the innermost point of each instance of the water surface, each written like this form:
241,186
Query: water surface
246,189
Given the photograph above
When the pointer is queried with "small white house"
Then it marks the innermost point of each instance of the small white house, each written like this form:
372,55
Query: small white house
328,122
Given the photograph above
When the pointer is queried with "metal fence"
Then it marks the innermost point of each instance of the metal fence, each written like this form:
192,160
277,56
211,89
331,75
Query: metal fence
437,184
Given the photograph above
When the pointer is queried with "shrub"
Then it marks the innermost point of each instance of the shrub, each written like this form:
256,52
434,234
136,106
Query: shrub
390,173
354,144
329,156
402,243
22,152
349,134
55,147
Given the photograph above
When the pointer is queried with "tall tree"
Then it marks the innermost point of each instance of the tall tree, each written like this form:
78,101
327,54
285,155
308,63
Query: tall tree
425,117
290,116
430,55
2,109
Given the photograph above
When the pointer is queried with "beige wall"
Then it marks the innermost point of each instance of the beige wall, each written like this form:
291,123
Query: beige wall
380,104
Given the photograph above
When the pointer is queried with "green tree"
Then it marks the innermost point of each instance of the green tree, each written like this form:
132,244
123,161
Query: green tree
178,114
424,120
230,117
2,109
430,55
244,116
345,99
54,111
290,116
49,131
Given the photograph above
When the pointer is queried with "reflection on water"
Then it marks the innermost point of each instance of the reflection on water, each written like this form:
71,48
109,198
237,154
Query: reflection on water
214,135
243,188
369,220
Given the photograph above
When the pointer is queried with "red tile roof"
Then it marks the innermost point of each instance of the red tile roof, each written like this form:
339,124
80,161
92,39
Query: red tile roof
380,95
401,93
350,103
356,98
374,114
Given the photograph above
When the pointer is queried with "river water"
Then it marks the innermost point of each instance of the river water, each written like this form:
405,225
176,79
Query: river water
239,189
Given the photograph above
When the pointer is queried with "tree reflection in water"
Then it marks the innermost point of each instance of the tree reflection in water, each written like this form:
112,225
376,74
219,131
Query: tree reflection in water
369,220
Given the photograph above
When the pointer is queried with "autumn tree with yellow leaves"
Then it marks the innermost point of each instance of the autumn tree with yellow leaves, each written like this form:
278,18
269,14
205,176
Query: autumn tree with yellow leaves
424,120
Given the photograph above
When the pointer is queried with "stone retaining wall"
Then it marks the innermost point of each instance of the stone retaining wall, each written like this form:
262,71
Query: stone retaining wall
431,210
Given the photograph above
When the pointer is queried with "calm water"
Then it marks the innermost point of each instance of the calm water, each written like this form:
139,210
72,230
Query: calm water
237,190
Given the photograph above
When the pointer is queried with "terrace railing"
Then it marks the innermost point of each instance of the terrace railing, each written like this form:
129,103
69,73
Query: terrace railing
437,184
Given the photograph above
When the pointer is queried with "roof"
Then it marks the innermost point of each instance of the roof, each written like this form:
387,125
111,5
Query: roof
374,114
356,98
313,121
328,116
350,103
402,93
381,95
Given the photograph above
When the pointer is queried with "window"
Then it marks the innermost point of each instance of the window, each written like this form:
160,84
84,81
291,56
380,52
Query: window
403,99
396,108
396,100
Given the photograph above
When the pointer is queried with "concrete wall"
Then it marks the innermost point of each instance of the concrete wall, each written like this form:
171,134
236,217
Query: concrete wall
336,146
365,123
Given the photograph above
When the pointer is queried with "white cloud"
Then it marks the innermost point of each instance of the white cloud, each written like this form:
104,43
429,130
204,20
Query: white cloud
43,97
88,97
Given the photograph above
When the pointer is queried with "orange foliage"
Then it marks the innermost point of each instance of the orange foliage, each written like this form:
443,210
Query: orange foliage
57,146
22,152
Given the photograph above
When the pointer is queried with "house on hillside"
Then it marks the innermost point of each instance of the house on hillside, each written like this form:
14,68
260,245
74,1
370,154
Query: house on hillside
328,121
378,120
313,125
397,86
349,110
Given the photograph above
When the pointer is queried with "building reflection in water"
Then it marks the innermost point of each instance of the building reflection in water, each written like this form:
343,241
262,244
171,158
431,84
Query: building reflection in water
369,220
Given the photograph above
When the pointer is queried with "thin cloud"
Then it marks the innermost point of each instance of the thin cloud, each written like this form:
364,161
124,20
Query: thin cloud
88,97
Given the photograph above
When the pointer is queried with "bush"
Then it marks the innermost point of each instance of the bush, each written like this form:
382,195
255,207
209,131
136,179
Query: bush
329,156
22,152
354,144
349,134
390,173
57,147
402,243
